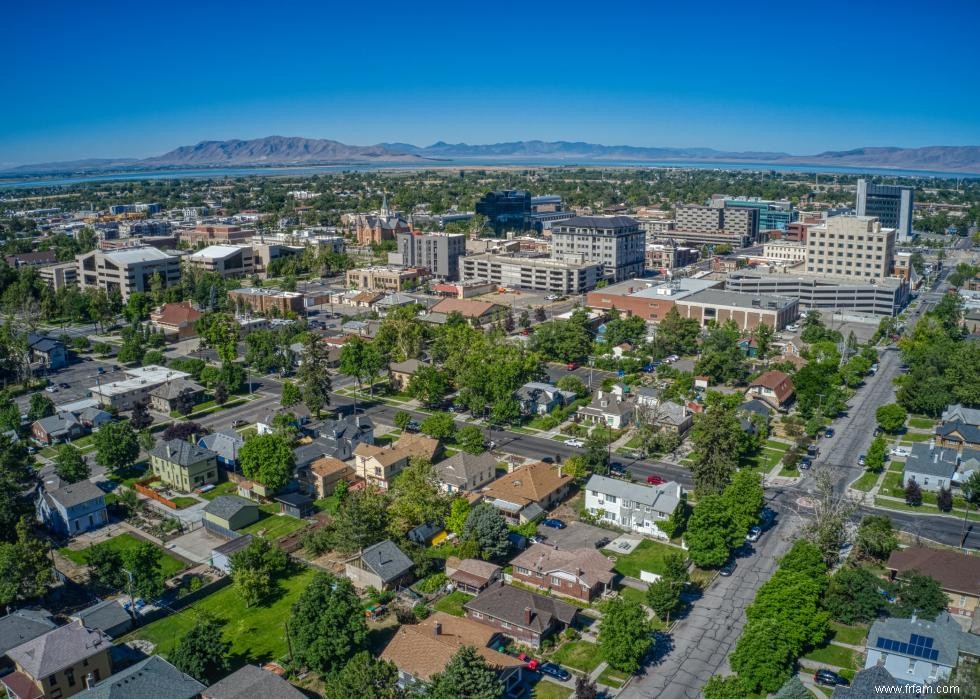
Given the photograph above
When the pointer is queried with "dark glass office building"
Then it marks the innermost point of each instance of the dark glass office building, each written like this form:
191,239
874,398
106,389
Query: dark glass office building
506,210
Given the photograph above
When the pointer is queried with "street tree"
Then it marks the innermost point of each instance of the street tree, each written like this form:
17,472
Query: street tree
744,497
70,465
116,447
313,375
326,624
467,675
826,526
624,634
290,394
891,417
712,532
140,417
203,652
470,439
220,393
402,419
486,526
429,385
730,687
361,360
439,426
268,459
184,430
763,656
596,455
40,406
663,598
364,677
524,320
585,688
944,499
874,460
717,439
876,537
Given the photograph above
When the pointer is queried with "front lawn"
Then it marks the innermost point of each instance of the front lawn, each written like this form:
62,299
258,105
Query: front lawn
631,593
453,603
123,543
549,690
917,436
272,525
921,423
892,485
612,678
866,482
833,655
580,655
854,635
649,556
257,634
130,475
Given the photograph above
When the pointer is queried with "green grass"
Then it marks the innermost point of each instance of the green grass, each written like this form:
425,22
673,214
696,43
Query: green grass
866,482
272,525
226,488
778,446
580,655
834,655
328,504
549,690
182,501
612,678
765,460
921,423
896,466
789,471
48,452
892,485
917,436
453,603
649,556
854,635
256,634
123,543
130,475
631,593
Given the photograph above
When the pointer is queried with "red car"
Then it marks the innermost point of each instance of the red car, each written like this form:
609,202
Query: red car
572,366
655,480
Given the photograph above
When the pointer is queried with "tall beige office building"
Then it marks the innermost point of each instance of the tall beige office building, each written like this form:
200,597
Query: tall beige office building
850,246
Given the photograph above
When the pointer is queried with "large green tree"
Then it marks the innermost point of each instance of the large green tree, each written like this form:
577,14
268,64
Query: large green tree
852,596
891,417
744,497
202,651
920,594
416,498
326,624
268,459
364,677
467,675
486,526
40,406
624,634
25,569
712,532
429,385
70,465
361,520
116,446
876,537
313,375
717,438
256,569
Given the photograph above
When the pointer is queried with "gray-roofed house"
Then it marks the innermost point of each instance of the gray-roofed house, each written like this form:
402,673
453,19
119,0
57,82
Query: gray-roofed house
335,438
520,614
401,373
230,512
920,650
57,663
71,508
221,555
47,352
295,505
957,434
93,417
383,566
152,678
669,416
611,408
107,616
539,398
931,467
466,472
225,445
633,506
249,682
183,465
20,627
872,683
170,395
60,427
960,413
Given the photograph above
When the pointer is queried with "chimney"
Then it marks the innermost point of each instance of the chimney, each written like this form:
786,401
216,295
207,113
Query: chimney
437,628
560,469
527,616
915,615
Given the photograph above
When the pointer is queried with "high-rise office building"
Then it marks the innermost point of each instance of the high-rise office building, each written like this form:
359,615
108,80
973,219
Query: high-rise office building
437,252
850,246
891,204
506,209
772,215
706,225
615,242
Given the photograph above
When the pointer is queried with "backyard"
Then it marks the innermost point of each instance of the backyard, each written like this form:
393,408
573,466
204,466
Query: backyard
453,603
272,525
649,556
123,543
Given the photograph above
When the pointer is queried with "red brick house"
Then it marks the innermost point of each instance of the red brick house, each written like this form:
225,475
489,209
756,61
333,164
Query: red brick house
580,573
519,614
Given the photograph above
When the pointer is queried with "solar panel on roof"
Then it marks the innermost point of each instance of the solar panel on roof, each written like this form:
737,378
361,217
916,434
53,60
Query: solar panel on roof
914,640
933,655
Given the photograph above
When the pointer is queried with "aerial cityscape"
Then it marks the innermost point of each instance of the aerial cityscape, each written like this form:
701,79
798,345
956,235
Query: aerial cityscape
648,371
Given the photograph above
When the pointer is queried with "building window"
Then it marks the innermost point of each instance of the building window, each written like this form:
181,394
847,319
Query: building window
555,580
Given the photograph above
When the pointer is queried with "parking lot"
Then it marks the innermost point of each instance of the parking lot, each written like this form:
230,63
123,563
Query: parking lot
80,376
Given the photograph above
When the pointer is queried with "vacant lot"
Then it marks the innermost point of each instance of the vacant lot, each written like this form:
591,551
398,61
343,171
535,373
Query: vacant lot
122,543
272,525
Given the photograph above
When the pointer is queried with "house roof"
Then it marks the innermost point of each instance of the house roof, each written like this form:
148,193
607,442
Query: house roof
671,413
468,308
463,468
600,222
869,683
955,571
386,560
368,297
507,603
234,545
424,649
949,640
614,405
528,484
958,431
181,452
937,461
756,406
586,564
59,648
103,615
224,444
964,414
295,499
73,494
153,678
227,506
22,626
176,314
250,681
58,424
43,343
409,366
175,388
407,446
327,466
662,498
483,570
777,382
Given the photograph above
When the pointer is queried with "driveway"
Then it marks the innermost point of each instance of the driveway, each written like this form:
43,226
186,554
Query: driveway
195,546
577,535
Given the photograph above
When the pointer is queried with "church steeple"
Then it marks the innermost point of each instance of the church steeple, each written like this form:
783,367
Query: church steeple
385,213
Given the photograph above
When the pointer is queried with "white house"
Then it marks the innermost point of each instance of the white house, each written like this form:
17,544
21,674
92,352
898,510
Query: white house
633,506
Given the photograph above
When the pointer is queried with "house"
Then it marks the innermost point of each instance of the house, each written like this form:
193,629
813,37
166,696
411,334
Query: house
63,426
107,616
528,491
425,533
19,627
466,472
701,383
522,615
931,467
539,398
580,573
401,373
646,396
71,508
958,435
153,677
958,574
335,438
634,506
295,505
749,347
471,574
774,388
482,312
184,466
46,353
58,663
230,512
622,349
420,651
171,395
176,320
873,683
226,445
670,416
221,555
321,477
613,409
93,417
920,650
378,465
383,566
959,413
249,682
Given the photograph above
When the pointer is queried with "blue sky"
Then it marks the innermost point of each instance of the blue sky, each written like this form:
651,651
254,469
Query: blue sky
118,79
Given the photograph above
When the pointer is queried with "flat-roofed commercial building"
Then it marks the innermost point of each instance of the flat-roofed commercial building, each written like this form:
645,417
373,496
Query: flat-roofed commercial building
59,276
647,300
437,252
531,272
748,311
136,388
126,270
225,260
217,233
707,225
786,252
262,300
382,278
821,292
615,242
891,204
850,246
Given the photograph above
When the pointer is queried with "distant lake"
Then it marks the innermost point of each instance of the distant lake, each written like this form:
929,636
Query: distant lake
308,170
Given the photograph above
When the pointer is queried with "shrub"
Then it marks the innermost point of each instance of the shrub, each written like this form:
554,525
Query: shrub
420,611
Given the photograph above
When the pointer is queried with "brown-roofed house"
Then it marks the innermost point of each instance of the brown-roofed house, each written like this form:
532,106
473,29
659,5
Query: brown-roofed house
176,320
773,387
422,650
324,474
471,574
523,615
401,373
957,573
527,491
483,311
377,465
580,573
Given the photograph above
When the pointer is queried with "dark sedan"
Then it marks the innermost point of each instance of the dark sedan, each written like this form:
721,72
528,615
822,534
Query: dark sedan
553,523
556,671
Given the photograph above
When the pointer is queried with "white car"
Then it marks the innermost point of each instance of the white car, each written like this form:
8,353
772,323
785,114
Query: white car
900,451
51,389
551,297
574,443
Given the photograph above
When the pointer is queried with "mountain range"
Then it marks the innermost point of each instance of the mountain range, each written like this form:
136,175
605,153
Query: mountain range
285,151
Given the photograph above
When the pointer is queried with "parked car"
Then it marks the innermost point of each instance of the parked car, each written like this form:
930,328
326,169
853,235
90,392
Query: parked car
878,431
101,369
413,426
829,432
654,479
754,534
812,450
861,460
554,670
553,523
574,443
804,463
64,385
551,297
726,570
538,538
572,366
829,678
767,516
238,423
51,389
